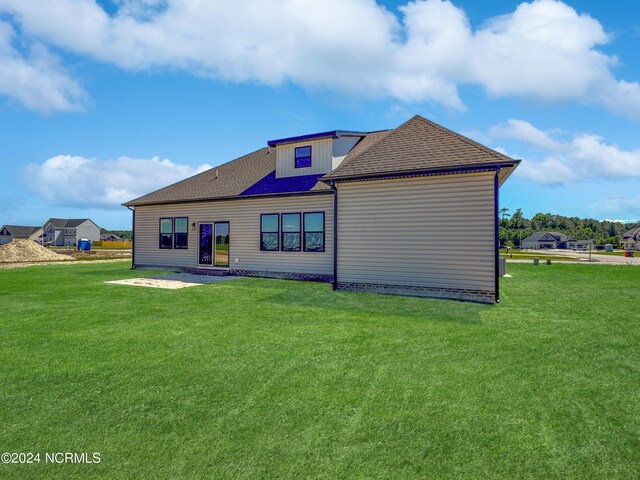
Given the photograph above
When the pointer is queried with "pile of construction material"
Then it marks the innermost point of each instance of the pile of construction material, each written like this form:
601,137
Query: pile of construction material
18,251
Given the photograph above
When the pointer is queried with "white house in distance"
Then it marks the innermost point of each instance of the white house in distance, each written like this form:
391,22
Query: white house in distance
631,239
11,232
67,231
367,211
542,240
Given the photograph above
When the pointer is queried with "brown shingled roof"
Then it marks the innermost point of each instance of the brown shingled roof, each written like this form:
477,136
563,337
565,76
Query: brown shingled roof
227,180
416,145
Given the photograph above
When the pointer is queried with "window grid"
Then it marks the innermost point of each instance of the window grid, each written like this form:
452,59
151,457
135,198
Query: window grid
283,232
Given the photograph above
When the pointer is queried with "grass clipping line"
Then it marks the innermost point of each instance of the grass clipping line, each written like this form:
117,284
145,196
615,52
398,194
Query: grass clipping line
28,251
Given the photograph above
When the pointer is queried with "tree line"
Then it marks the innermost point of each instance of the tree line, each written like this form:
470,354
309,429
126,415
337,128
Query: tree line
513,228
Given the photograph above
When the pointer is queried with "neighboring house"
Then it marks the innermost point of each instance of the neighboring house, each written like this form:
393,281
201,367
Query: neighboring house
67,231
110,237
10,232
631,239
542,240
581,244
368,211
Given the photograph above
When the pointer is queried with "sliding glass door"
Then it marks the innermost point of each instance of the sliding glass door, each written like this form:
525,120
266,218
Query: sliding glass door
213,247
222,244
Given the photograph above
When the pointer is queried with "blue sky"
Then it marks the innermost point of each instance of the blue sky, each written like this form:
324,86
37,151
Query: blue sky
102,102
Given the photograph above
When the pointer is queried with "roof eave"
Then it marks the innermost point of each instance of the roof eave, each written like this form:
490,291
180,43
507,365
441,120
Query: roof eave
511,164
232,197
316,136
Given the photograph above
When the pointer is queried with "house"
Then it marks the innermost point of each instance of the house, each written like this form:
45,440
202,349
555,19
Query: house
631,239
367,211
10,232
542,240
110,237
67,231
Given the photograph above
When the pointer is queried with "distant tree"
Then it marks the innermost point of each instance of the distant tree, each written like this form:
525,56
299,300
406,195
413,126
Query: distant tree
518,227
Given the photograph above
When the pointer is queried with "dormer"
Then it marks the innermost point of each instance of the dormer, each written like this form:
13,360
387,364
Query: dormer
314,154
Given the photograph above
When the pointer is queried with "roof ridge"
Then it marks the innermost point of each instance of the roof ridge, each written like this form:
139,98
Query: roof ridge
466,140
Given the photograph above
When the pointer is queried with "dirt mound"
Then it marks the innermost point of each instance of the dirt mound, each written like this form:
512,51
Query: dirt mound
28,251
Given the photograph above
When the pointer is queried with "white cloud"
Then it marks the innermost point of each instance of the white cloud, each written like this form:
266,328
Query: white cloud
585,157
620,206
599,160
525,132
551,171
75,181
35,78
544,50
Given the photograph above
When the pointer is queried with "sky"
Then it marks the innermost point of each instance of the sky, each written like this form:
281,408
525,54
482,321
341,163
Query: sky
104,101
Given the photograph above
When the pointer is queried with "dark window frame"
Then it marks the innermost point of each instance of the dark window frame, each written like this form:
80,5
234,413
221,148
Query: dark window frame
262,249
324,235
299,232
160,234
175,233
297,158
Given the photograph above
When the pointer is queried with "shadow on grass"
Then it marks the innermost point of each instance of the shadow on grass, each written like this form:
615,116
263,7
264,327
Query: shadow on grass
321,297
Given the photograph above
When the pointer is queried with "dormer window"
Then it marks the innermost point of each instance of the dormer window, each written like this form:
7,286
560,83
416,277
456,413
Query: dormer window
303,157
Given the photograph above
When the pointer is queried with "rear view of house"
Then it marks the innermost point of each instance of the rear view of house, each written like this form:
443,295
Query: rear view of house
367,211
67,231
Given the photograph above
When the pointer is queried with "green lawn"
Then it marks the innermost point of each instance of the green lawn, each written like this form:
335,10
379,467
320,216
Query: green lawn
257,378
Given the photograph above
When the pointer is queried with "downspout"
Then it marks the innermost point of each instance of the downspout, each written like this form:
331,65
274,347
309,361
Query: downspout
133,238
497,232
335,235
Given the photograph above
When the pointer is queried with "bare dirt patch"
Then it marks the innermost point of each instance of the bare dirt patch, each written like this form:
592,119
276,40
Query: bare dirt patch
173,281
28,251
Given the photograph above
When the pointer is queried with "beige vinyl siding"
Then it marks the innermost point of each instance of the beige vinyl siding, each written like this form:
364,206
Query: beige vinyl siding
244,225
430,232
321,158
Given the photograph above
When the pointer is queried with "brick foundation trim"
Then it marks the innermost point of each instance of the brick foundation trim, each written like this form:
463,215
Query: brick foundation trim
310,277
481,296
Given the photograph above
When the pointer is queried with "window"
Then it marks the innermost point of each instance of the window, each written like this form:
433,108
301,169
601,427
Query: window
291,232
269,232
180,232
166,233
303,157
314,232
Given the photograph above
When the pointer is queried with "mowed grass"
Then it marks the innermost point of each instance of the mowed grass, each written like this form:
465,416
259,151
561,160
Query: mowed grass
256,378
